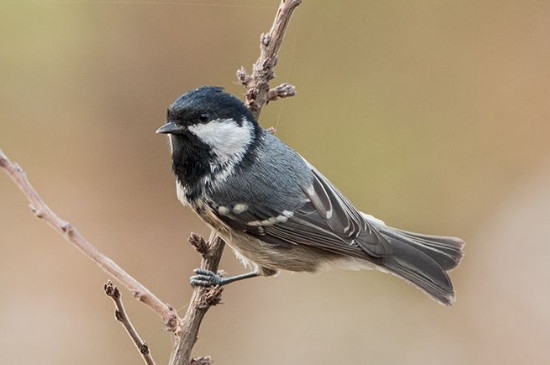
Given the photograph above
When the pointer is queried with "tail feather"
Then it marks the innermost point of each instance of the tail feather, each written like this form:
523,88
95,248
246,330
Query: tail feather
423,260
446,251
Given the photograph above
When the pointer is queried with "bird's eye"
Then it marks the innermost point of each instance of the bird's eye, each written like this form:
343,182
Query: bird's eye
204,117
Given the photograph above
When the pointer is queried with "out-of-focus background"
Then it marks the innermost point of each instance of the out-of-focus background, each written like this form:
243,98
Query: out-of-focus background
431,115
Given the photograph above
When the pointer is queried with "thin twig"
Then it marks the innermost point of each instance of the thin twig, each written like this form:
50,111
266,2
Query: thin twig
258,91
201,300
186,330
203,360
71,234
258,94
121,315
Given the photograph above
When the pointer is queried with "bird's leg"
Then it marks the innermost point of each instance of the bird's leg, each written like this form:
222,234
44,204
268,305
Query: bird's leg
209,278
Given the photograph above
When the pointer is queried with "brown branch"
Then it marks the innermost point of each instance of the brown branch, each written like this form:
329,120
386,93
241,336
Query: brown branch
203,360
186,330
258,92
71,234
121,315
201,300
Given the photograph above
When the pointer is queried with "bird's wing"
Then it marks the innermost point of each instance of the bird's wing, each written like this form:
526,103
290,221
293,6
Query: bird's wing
342,217
326,220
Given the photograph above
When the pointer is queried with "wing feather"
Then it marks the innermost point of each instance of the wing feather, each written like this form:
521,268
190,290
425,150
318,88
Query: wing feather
346,221
326,220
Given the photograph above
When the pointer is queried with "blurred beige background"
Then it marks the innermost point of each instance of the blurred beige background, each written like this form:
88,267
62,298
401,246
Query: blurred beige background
431,115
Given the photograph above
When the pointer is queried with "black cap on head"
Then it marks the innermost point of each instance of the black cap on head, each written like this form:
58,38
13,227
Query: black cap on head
212,100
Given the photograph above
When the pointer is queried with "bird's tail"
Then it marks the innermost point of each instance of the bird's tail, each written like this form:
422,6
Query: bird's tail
423,260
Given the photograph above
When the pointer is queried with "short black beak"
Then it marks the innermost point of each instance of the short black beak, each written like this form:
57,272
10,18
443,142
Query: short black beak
171,128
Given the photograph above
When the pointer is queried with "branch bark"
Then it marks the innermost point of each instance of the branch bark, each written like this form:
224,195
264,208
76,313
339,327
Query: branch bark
121,316
201,300
185,330
258,91
258,94
71,234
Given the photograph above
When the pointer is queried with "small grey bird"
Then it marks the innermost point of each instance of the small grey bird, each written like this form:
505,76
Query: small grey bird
277,211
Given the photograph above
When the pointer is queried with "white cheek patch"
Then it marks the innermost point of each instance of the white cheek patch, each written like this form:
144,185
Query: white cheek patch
227,139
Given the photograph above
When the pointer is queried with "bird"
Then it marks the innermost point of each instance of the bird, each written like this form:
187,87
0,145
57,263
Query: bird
277,211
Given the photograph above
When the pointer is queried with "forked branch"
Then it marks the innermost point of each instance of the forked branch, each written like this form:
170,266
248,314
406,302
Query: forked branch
258,94
258,91
185,330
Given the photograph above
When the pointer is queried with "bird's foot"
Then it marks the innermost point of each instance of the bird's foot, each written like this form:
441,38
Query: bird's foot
206,278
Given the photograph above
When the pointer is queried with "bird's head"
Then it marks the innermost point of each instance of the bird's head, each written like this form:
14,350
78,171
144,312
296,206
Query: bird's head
210,132
214,118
